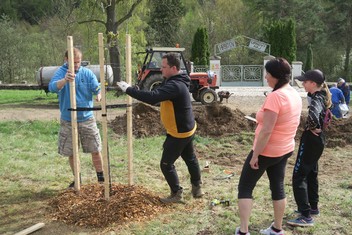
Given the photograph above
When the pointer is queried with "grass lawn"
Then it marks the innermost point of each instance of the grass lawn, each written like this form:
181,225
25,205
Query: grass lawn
32,173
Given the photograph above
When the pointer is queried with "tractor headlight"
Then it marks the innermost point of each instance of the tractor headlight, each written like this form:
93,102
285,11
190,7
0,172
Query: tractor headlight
211,76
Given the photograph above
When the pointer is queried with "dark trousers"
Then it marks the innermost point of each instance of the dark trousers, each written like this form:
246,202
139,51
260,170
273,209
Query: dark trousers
173,149
305,172
275,169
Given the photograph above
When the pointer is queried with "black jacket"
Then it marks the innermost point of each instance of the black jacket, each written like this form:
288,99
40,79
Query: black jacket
175,104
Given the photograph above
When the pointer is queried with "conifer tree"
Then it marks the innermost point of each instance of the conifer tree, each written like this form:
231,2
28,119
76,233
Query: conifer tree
200,47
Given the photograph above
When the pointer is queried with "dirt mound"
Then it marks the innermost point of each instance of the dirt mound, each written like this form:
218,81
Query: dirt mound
218,121
213,120
339,133
90,209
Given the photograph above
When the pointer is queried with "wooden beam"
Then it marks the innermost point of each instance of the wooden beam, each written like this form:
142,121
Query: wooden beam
129,111
31,229
104,118
76,162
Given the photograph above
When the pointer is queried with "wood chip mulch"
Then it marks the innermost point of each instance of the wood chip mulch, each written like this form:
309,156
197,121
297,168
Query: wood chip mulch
89,208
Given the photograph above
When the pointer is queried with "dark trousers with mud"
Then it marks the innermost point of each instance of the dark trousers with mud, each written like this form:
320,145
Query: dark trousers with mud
305,172
173,149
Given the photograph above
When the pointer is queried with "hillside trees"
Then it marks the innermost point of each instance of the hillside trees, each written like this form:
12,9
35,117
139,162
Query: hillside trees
23,50
339,22
164,22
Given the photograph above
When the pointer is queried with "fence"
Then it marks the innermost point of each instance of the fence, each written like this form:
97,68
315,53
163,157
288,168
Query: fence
237,75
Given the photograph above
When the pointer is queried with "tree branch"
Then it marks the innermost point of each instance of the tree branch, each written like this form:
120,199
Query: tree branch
89,21
128,15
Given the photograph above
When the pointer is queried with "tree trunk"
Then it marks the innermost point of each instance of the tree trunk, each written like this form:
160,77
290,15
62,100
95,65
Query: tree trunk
348,50
115,63
111,32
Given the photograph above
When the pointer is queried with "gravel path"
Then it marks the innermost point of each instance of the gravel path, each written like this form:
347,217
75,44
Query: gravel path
246,99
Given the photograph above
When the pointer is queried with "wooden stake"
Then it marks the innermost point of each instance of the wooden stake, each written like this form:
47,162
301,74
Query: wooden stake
76,162
104,118
129,111
31,229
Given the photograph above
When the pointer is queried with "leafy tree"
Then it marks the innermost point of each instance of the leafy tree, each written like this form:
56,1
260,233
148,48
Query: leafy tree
164,22
9,8
200,47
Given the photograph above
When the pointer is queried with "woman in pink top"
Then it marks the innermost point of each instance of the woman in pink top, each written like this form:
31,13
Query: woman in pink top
277,123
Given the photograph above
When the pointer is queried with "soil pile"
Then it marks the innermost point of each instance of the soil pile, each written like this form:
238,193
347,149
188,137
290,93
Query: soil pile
219,121
213,120
90,209
339,133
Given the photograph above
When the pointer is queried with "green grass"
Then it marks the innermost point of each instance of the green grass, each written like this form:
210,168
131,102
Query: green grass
35,97
32,172
17,97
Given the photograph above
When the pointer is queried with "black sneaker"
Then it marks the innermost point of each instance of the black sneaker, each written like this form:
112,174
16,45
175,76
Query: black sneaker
72,185
301,221
100,176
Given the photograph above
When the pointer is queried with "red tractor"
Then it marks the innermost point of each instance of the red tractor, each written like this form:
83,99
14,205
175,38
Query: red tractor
203,85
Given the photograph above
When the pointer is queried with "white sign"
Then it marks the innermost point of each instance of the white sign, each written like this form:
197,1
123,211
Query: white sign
226,46
257,45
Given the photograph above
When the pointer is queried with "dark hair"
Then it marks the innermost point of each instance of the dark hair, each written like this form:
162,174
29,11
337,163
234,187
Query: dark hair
173,59
280,69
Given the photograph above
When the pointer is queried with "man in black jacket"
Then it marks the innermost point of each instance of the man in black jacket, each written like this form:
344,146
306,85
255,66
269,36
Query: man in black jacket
178,119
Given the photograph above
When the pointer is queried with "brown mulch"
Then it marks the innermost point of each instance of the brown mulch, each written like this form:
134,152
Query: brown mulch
90,209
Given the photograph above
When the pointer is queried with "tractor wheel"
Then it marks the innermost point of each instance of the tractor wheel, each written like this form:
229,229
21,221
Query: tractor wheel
195,96
208,96
152,82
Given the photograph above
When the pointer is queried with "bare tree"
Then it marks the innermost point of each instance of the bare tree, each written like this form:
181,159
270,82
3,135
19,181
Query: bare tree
112,24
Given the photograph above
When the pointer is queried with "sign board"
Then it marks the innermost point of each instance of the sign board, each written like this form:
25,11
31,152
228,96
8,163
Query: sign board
226,46
257,45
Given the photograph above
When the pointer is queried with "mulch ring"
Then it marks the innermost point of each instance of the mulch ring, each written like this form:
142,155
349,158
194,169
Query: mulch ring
90,209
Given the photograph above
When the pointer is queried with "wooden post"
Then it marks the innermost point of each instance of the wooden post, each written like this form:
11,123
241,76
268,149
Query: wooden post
76,162
129,111
104,118
31,229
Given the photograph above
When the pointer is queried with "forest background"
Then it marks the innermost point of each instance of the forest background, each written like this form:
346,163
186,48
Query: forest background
33,32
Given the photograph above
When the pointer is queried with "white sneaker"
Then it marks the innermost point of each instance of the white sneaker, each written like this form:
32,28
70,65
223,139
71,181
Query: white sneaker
238,231
270,231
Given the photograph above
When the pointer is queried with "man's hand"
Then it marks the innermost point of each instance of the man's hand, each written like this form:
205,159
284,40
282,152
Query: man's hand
69,77
123,85
98,98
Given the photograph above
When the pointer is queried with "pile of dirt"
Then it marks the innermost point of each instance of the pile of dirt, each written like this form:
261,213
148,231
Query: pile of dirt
339,133
90,209
219,121
213,120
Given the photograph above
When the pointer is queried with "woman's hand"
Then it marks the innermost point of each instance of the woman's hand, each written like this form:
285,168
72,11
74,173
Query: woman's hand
316,132
254,163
